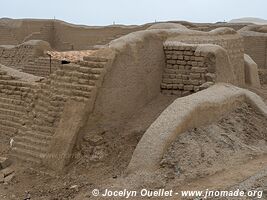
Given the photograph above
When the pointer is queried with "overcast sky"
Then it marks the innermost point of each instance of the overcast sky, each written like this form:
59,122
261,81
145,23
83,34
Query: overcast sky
105,12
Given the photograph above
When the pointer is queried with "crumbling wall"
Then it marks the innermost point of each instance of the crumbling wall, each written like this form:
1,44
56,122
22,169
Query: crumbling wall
7,36
16,56
16,97
42,104
134,77
255,44
186,69
227,39
29,57
61,35
194,67
41,66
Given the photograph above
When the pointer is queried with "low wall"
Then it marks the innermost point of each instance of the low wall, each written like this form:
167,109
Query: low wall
192,67
255,44
183,114
228,39
42,102
29,57
135,76
16,96
186,70
256,47
41,66
61,35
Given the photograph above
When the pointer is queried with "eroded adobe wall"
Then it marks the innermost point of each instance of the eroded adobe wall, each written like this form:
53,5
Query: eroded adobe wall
187,70
136,74
61,35
82,37
232,43
41,104
41,66
18,29
255,44
16,56
29,57
16,97
134,77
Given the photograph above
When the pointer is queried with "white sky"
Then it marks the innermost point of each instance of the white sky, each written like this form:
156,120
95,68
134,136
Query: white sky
105,12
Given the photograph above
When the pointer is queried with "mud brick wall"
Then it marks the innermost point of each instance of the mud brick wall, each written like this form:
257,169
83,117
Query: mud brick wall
233,44
16,56
41,66
31,111
255,45
16,98
186,70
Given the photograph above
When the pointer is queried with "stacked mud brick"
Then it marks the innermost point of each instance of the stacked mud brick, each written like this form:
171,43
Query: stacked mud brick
186,70
15,98
41,66
15,56
30,111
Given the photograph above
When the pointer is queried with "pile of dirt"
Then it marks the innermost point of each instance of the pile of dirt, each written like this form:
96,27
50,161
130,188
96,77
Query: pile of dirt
234,139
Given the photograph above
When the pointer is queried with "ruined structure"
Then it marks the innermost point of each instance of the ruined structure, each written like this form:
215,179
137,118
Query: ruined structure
255,44
46,97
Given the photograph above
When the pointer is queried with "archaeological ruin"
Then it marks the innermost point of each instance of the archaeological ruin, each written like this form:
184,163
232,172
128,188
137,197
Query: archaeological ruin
68,92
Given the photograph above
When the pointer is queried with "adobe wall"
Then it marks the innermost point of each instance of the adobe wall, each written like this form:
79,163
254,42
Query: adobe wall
136,74
29,57
87,37
16,96
187,70
227,39
40,66
134,77
255,44
61,35
39,104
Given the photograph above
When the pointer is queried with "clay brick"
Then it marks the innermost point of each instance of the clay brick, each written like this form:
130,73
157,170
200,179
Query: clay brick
181,86
180,57
195,76
172,76
174,57
185,77
181,62
175,86
177,81
181,67
169,81
194,82
188,87
175,66
188,67
188,53
178,76
198,70
199,59
186,57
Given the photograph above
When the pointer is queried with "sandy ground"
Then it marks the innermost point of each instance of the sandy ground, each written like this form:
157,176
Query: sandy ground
230,153
202,157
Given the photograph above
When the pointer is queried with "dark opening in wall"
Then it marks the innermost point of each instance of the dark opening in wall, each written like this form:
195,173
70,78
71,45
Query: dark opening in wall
64,62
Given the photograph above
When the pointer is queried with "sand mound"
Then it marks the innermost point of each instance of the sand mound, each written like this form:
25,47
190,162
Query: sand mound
207,150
